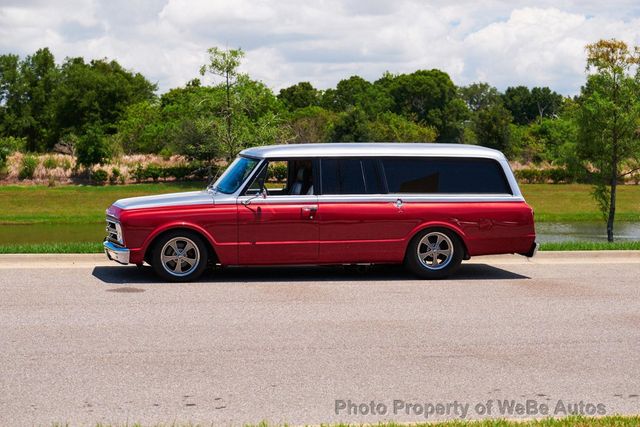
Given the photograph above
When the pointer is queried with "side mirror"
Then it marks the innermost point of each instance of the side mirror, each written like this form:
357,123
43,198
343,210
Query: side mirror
262,192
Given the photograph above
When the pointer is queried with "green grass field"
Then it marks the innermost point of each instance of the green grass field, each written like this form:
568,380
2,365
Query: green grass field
72,203
83,204
573,202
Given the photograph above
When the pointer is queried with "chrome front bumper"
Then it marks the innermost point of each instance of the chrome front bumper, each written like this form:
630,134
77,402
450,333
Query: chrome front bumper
116,253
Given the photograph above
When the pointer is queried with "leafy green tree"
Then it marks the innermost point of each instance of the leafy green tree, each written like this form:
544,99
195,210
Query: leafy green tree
9,93
97,93
348,93
300,95
352,126
355,91
518,101
528,105
93,147
225,63
390,127
142,128
546,101
311,125
608,119
26,87
479,95
492,127
430,98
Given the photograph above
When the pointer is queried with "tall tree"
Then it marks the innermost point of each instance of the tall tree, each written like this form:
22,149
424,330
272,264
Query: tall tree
300,95
26,101
546,101
609,118
491,126
225,63
430,98
528,105
518,101
479,95
97,94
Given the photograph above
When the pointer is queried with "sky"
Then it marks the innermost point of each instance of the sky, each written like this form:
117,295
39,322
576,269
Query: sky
504,43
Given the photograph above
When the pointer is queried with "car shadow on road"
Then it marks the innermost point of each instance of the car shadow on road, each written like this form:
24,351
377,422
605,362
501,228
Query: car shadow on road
145,275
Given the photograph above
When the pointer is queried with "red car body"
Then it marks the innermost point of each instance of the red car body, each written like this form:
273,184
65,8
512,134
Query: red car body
242,229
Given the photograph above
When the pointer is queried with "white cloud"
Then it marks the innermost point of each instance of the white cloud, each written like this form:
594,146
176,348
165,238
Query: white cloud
504,43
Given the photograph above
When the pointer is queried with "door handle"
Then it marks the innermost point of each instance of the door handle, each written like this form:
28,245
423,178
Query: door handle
309,211
399,203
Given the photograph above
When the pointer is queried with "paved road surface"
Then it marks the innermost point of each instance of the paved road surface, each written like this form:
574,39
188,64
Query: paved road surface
83,341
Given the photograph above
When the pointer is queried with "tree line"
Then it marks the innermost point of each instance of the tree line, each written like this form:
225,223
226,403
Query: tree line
98,109
101,108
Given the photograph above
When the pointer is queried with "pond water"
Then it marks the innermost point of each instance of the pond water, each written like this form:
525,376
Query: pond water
51,233
546,231
585,231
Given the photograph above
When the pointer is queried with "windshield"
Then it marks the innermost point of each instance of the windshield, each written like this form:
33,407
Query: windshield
235,175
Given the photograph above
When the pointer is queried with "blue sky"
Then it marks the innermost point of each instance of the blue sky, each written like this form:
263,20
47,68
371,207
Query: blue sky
324,41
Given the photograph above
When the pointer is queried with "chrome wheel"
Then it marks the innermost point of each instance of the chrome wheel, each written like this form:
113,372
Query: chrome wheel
435,250
180,256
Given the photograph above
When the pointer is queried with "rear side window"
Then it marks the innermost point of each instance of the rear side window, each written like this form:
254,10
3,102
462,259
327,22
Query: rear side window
350,176
445,175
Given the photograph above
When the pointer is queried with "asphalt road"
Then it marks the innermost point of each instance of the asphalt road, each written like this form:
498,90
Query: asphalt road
84,341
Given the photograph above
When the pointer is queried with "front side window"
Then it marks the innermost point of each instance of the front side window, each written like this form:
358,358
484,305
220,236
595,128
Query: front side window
445,175
235,175
284,178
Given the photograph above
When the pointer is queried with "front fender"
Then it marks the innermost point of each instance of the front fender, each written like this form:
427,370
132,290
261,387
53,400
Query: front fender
173,226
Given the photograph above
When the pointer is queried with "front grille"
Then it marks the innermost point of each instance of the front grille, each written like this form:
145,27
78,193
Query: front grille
112,231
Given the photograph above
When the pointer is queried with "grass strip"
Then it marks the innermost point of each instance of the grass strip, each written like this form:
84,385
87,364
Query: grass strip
53,248
590,246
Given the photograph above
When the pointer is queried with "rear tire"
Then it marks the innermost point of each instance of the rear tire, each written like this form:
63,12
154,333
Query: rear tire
434,253
179,256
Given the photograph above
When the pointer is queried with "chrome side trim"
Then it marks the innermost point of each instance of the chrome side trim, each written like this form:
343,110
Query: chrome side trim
418,198
383,198
116,253
277,199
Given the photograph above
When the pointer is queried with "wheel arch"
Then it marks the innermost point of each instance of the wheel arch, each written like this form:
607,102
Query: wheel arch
439,225
209,242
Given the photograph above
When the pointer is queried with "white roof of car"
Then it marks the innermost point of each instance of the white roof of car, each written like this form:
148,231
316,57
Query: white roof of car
369,149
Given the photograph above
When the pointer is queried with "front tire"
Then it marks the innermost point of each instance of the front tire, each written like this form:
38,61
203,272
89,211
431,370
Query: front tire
434,253
180,256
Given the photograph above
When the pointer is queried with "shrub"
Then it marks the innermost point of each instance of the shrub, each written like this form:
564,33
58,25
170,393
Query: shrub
166,153
179,172
93,148
153,171
99,176
28,167
138,173
115,176
66,164
50,162
278,172
558,175
8,146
